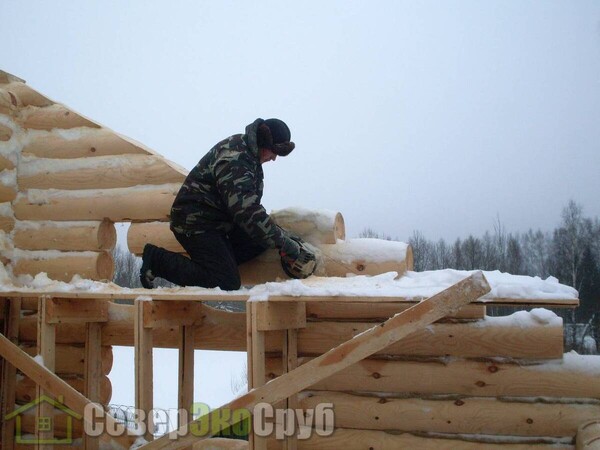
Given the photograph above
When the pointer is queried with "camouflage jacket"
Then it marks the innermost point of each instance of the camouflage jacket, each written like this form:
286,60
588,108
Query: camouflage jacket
224,190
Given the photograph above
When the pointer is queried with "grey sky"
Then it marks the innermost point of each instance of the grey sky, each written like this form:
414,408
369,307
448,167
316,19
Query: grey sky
435,116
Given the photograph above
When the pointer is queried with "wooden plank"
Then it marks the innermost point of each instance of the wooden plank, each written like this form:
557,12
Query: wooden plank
461,377
464,415
360,312
489,338
144,389
70,359
258,365
280,316
47,352
290,361
93,373
249,367
192,294
9,374
69,310
379,440
348,353
173,313
186,370
50,382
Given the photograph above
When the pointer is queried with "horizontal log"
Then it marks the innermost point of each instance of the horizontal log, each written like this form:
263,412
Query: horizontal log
117,205
63,266
50,117
106,172
26,95
380,440
463,377
6,77
9,103
358,312
461,416
25,390
70,359
7,224
314,226
469,340
78,236
157,233
84,143
5,135
7,193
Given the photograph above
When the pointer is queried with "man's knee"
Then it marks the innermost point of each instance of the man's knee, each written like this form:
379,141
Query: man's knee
231,282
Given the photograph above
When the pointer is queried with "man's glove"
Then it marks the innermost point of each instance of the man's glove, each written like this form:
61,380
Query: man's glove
290,250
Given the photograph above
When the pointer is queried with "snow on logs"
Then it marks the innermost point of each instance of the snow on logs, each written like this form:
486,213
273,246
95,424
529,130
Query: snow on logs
118,205
65,236
104,172
356,256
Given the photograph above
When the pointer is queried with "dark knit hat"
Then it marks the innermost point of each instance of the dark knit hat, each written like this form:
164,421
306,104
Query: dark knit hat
280,137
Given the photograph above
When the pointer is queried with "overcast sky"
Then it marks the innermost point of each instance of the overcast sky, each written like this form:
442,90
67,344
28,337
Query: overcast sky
436,116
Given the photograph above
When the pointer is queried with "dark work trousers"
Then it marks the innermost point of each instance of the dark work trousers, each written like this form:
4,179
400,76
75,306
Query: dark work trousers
213,262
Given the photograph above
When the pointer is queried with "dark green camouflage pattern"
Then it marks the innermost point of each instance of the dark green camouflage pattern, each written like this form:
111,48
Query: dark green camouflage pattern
224,190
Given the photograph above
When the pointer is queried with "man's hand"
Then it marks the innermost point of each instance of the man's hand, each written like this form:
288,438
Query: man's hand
290,250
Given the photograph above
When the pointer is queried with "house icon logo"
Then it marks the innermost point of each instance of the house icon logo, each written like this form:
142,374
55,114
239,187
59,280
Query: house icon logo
43,423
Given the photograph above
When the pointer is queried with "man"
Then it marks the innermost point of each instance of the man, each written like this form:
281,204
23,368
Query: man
217,216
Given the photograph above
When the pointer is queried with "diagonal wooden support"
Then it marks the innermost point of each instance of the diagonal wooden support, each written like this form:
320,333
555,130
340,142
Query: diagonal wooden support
53,384
346,354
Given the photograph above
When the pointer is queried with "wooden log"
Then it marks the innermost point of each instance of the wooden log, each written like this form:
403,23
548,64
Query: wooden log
338,259
588,435
457,416
26,95
105,172
377,312
25,389
70,359
7,224
63,266
461,377
348,353
85,143
70,310
50,117
8,103
5,163
5,135
6,77
117,205
65,236
314,226
60,424
470,340
7,193
380,440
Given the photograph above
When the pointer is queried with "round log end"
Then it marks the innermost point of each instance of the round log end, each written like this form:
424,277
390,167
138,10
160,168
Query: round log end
5,133
107,235
339,227
105,266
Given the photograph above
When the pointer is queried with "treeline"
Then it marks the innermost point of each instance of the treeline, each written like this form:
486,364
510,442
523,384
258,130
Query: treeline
570,252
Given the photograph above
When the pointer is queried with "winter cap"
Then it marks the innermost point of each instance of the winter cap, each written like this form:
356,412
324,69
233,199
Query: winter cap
280,137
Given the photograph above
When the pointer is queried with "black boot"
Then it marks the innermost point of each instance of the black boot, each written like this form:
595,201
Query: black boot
146,275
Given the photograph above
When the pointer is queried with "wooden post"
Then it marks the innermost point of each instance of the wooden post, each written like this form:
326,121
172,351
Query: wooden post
93,372
186,373
144,389
249,365
9,373
46,348
290,362
258,364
